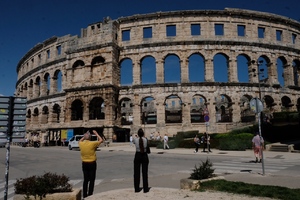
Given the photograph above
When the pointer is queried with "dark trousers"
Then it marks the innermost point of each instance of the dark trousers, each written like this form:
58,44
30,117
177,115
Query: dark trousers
89,176
197,146
141,159
206,146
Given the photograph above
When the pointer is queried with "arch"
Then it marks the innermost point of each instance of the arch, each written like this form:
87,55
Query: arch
220,62
198,105
126,106
172,71
96,108
286,103
263,72
56,113
296,72
78,63
243,68
247,115
97,60
281,64
76,110
148,110
269,101
45,114
28,117
58,77
196,68
36,112
173,109
126,67
223,106
148,70
47,82
38,85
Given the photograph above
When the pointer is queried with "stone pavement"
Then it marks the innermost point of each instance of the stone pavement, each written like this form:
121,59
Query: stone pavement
167,185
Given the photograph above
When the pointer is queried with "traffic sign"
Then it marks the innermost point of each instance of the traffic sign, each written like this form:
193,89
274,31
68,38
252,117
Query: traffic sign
206,118
13,116
4,113
256,105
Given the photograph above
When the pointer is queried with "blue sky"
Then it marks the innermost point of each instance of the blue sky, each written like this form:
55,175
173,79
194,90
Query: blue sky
25,23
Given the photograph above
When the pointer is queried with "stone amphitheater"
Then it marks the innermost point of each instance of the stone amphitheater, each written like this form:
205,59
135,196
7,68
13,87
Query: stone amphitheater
165,72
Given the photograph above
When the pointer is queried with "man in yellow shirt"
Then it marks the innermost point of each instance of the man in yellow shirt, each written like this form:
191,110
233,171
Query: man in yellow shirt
89,165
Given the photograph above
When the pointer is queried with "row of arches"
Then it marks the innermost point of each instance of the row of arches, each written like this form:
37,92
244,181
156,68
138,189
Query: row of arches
173,109
222,71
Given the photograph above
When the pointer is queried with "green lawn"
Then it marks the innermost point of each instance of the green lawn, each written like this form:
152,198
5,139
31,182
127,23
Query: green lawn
275,192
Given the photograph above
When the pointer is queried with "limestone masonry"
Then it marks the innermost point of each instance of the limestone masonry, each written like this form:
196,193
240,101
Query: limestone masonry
165,72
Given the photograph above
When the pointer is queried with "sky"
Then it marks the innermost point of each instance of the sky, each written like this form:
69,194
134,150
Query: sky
25,23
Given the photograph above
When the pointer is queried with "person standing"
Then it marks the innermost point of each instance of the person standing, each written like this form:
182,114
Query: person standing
89,165
206,142
131,139
166,140
197,143
140,160
258,146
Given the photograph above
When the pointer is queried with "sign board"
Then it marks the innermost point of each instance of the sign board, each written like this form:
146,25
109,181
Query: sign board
4,113
206,118
13,116
256,105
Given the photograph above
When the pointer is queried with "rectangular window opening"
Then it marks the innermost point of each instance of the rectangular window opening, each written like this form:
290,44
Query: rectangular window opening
48,53
147,32
294,37
219,29
278,35
261,32
171,30
125,35
195,29
241,30
58,48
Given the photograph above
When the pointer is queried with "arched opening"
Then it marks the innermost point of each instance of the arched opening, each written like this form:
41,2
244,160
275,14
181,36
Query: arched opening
196,68
148,70
172,71
77,110
173,109
96,109
126,72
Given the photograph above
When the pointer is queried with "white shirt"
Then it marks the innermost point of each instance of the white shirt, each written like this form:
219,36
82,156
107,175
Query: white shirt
136,141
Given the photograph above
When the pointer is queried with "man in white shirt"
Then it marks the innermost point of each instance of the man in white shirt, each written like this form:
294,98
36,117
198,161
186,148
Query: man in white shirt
166,139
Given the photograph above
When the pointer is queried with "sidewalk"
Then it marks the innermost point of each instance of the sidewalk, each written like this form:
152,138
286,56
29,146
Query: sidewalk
161,189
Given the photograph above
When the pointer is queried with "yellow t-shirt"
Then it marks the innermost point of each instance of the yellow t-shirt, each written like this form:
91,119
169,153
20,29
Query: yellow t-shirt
88,150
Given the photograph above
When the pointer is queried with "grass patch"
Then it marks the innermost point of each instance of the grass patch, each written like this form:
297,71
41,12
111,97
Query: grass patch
276,192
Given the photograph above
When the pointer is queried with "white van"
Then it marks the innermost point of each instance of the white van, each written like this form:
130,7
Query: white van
73,142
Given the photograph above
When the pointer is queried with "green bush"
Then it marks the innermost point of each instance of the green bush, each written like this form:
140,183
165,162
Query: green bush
41,185
204,171
240,142
187,134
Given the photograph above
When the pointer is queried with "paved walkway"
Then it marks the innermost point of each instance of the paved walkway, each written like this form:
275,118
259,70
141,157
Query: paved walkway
167,190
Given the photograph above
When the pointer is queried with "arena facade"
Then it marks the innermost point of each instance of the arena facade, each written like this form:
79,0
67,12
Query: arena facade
163,72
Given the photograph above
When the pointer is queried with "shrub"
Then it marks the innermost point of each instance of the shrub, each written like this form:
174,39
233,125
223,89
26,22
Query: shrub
41,185
204,171
229,141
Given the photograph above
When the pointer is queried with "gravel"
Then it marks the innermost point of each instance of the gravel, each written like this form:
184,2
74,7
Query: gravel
169,194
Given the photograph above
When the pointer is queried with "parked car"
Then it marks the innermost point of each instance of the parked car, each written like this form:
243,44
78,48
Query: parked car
73,142
2,143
